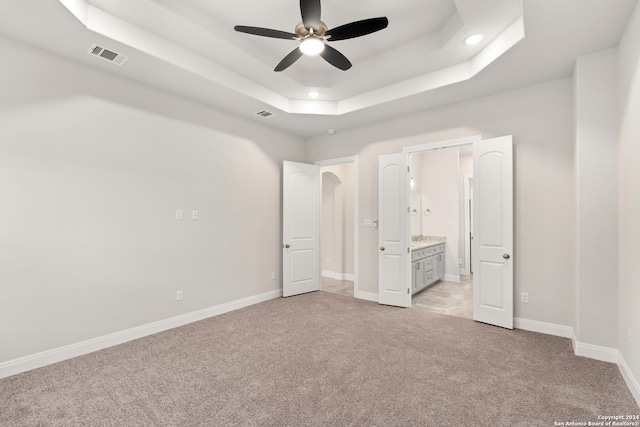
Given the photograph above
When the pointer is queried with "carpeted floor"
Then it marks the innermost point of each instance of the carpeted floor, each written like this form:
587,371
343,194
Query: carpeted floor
327,360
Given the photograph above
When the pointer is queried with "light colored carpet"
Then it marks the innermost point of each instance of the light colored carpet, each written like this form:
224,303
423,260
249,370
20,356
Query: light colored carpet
322,359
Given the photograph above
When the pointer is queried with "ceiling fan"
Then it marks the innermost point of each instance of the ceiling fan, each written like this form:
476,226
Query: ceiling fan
312,34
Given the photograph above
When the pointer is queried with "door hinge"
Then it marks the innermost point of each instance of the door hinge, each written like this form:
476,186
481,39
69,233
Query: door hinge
408,209
407,291
408,250
409,169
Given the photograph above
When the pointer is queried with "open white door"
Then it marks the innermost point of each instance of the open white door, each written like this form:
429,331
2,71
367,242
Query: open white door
493,231
300,228
393,235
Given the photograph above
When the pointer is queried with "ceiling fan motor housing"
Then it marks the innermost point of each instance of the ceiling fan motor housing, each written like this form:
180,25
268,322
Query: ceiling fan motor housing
304,32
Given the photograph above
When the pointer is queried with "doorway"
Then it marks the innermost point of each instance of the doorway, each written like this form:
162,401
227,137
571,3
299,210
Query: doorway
339,231
439,214
492,222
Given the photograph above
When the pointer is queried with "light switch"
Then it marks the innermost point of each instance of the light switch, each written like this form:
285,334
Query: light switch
368,222
179,214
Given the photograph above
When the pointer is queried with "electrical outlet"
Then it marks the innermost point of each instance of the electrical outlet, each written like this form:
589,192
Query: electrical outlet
194,214
179,214
178,295
273,275
524,297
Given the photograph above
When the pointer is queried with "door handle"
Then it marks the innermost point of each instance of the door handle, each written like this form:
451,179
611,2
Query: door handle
287,246
506,256
382,248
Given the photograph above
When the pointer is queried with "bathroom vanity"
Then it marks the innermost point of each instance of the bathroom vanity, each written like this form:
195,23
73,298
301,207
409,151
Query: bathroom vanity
427,263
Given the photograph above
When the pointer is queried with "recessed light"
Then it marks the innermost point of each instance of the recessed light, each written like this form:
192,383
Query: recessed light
313,94
331,131
474,39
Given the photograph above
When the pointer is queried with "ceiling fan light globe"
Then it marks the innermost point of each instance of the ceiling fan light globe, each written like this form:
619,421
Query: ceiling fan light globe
311,46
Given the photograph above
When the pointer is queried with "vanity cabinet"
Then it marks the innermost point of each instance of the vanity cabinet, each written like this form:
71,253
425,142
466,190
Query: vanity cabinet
417,274
439,260
427,266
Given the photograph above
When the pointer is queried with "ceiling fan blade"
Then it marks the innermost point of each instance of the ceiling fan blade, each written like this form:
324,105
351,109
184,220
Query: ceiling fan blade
357,29
335,58
310,11
288,60
265,32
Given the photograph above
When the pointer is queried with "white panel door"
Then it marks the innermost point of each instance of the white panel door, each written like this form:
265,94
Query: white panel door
393,234
493,231
300,228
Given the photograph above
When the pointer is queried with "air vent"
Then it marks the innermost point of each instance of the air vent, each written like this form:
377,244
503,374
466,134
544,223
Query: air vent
107,55
264,114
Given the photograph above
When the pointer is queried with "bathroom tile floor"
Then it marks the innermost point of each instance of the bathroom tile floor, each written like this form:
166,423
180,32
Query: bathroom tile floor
341,287
452,298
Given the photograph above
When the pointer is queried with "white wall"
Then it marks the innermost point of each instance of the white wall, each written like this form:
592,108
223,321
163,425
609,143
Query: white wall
540,119
332,223
629,198
596,109
92,170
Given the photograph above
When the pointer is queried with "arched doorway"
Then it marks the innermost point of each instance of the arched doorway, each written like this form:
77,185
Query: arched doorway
337,238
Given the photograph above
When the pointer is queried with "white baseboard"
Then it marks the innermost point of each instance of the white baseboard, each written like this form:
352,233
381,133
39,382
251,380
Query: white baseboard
48,357
367,296
337,276
604,354
543,327
629,378
451,277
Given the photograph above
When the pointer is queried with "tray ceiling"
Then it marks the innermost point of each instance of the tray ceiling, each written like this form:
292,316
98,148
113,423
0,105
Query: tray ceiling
420,61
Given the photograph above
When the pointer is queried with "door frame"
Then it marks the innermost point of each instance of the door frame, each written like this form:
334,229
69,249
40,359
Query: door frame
431,146
467,226
356,216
